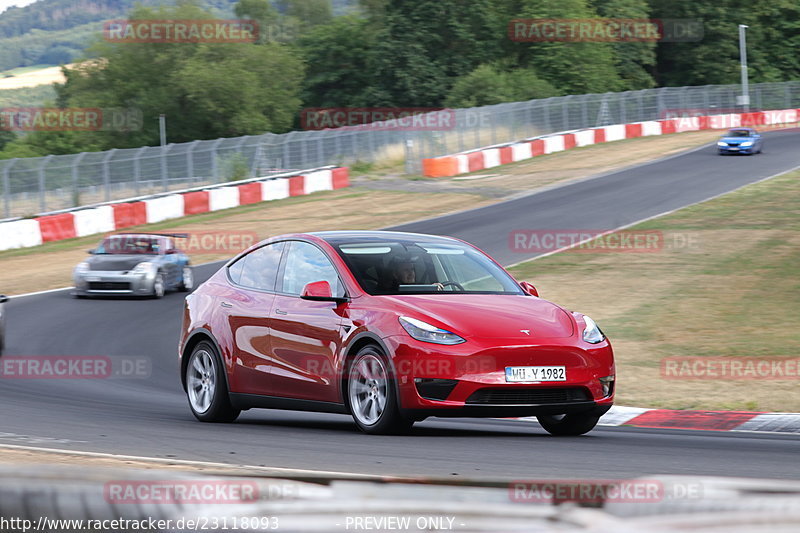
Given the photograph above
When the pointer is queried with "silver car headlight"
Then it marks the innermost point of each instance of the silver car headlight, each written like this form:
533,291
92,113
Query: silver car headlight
82,268
592,333
422,331
145,267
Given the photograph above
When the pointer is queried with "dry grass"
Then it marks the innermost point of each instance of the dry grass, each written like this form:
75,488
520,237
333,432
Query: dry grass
732,293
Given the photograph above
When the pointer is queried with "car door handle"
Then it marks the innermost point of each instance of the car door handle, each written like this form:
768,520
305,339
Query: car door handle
226,304
280,312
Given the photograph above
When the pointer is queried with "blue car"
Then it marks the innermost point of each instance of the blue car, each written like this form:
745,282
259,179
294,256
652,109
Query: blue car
134,264
740,141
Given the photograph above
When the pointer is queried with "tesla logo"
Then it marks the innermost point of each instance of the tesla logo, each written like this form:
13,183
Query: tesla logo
526,331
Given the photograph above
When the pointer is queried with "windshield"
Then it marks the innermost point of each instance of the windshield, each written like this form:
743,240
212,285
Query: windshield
740,133
129,244
421,267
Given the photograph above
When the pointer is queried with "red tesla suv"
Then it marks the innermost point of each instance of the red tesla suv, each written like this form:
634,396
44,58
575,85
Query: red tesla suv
391,328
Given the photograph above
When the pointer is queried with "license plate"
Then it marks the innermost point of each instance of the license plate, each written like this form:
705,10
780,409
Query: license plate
92,278
518,374
733,148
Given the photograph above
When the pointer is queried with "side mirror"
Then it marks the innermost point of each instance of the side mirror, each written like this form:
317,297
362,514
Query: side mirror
91,252
319,291
171,251
529,288
3,298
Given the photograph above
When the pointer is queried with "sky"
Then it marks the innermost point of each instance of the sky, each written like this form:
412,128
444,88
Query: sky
5,4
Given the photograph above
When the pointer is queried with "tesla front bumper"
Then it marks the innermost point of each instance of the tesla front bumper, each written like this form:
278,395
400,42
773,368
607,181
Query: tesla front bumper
470,379
114,283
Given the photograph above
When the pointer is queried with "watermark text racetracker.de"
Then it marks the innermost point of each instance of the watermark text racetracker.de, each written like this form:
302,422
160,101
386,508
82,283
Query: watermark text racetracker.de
600,241
597,491
730,368
605,30
70,119
181,31
74,367
379,118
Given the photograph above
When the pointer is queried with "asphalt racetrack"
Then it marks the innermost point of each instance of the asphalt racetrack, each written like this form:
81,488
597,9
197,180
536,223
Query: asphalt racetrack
149,416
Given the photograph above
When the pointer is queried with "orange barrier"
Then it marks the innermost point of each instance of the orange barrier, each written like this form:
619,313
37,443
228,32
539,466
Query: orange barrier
440,167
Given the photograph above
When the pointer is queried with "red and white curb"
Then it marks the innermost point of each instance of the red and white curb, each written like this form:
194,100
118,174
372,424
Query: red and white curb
104,218
743,421
492,156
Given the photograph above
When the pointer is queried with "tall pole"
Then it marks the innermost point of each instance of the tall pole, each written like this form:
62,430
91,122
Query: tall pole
743,58
162,127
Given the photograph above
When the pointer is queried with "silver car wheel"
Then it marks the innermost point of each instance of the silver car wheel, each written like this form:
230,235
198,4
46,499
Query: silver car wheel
367,388
188,278
201,381
158,286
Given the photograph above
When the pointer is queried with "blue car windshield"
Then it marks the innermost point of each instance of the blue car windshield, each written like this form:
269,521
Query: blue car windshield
740,133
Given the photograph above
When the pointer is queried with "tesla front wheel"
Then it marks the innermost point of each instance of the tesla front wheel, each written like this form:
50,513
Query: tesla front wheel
206,388
187,279
569,424
372,396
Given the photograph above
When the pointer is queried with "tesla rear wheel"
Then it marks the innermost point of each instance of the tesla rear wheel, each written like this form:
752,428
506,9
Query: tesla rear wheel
158,286
372,396
206,388
187,279
570,424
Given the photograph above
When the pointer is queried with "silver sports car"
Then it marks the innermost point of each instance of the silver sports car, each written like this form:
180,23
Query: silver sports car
137,264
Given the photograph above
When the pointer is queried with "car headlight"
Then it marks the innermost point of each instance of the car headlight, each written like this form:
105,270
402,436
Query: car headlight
80,268
747,143
422,331
592,333
145,267
722,143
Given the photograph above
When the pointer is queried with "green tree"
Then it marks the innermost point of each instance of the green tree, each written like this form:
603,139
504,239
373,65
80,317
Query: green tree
425,45
633,60
773,37
489,84
340,58
206,90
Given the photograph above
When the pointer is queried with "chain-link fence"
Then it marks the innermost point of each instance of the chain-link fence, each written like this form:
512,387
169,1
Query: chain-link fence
42,184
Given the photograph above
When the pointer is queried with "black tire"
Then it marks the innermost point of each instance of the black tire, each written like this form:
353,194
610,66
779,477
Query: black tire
219,407
158,282
568,425
184,286
389,419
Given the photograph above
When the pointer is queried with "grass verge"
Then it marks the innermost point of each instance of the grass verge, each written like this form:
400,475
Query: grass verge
724,285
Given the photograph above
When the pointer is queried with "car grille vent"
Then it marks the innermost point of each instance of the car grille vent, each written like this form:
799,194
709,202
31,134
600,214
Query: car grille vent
517,396
109,286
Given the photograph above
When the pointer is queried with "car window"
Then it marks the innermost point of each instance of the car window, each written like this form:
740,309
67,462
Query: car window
305,263
259,268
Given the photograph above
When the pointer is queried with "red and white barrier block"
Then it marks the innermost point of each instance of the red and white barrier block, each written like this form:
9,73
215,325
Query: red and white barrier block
476,160
115,216
747,421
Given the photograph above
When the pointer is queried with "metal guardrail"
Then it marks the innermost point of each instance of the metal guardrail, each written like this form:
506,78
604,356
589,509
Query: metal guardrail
56,182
